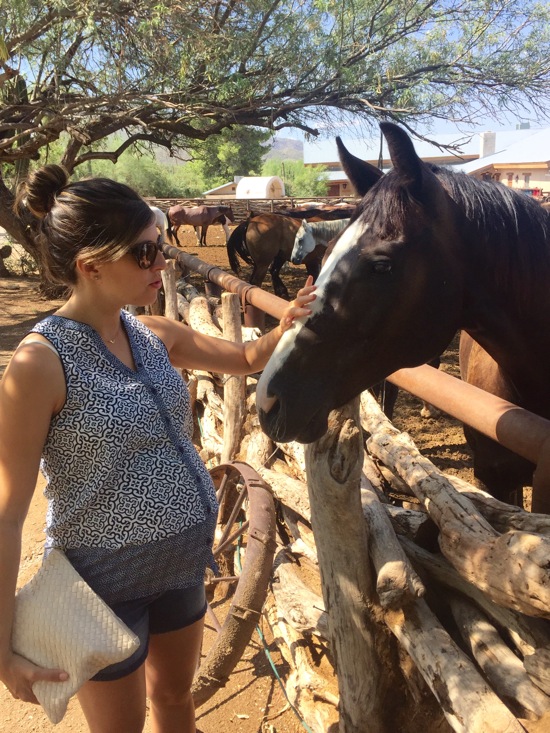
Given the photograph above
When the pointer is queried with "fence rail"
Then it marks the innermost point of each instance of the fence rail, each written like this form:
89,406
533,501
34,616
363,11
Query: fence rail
243,207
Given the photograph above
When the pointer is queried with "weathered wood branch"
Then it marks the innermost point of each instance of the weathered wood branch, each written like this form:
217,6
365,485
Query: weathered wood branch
511,568
290,491
526,633
501,516
469,705
295,458
187,290
183,308
333,469
170,293
309,691
538,668
259,448
299,605
200,318
501,667
397,583
234,408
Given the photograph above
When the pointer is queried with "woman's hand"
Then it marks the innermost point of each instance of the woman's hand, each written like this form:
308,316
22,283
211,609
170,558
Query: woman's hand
298,307
19,676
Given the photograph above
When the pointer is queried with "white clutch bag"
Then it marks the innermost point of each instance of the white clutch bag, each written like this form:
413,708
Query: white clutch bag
61,623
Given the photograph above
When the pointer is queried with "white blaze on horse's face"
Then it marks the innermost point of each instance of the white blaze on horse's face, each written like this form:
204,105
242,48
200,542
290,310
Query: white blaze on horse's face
298,251
349,237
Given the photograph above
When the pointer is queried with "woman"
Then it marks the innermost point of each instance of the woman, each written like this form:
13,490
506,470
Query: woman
92,397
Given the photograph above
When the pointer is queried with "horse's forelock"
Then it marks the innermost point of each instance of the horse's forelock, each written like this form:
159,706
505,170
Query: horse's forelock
387,207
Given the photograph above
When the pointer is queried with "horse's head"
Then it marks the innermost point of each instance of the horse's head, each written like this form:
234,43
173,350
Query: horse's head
228,211
304,243
388,296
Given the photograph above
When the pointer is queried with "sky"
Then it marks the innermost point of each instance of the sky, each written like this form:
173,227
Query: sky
439,127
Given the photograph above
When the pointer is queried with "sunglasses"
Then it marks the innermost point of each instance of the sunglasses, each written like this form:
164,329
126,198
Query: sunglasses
146,252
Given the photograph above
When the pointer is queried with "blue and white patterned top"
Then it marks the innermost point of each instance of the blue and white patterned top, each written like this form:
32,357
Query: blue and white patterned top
121,469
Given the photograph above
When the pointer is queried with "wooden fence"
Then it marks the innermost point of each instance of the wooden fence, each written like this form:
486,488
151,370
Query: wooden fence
243,207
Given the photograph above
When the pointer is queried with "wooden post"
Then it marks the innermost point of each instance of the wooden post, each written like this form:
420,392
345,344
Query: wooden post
334,466
234,399
170,293
254,317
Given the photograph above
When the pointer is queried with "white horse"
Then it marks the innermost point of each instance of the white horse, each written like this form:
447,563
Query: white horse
310,234
161,221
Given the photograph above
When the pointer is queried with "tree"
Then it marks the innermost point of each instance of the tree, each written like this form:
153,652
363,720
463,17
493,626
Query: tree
145,173
168,73
234,152
299,180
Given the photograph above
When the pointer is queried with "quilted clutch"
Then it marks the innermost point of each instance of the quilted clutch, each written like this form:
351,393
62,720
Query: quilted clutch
61,623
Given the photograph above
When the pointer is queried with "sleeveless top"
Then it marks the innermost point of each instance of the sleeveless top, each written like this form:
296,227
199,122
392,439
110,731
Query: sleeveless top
129,499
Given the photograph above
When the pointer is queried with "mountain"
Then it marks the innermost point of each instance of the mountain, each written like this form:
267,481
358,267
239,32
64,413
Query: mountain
286,148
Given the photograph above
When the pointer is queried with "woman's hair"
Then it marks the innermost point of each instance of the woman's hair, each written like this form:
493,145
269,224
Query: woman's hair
95,219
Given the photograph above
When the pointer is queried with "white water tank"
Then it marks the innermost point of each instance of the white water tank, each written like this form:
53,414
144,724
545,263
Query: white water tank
260,187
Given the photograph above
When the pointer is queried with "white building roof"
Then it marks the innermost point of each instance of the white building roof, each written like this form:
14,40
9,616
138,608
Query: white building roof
533,148
218,189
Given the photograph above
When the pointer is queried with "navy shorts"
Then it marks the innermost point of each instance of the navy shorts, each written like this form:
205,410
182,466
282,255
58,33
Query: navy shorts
154,614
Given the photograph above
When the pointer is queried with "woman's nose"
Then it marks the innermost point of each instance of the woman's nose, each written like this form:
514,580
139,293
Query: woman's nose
160,261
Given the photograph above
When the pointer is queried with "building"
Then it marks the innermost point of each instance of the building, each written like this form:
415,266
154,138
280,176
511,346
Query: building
516,157
524,165
225,191
249,187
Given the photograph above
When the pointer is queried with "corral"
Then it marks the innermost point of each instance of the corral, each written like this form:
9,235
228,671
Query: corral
438,453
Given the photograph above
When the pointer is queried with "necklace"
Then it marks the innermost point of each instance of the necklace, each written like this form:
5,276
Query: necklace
112,341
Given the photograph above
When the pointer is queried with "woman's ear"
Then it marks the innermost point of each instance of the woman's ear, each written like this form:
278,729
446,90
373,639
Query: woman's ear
87,270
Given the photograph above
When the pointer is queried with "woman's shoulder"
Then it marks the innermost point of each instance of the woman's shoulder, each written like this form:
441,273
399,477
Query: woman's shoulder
35,369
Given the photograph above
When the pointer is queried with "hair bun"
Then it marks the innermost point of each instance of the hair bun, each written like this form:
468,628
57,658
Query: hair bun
41,188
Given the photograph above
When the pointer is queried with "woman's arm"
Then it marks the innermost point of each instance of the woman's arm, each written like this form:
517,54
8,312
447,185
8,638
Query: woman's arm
189,349
31,391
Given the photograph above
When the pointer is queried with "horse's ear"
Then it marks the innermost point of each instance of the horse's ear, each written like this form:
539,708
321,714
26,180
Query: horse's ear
404,158
362,175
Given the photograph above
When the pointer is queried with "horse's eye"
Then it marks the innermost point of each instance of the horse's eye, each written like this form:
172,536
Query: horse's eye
381,266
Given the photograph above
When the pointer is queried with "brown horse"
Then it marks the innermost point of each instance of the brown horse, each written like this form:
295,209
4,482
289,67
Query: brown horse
200,218
320,213
265,242
428,252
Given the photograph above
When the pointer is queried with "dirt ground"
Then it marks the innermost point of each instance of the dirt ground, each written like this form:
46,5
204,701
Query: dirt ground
252,702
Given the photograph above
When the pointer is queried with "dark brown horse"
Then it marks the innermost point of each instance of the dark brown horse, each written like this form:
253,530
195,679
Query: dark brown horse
324,213
265,242
427,252
199,217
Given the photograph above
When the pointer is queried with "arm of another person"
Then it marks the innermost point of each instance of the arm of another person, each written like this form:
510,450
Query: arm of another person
189,349
31,391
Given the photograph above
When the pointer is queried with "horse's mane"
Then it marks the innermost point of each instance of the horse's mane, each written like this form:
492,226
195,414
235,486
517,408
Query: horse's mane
510,230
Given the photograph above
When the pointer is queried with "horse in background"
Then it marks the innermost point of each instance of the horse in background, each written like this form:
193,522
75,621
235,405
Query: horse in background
428,252
161,221
309,235
200,218
265,242
320,213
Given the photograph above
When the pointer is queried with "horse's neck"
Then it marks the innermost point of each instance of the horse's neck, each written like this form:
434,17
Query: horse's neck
326,230
519,343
